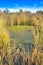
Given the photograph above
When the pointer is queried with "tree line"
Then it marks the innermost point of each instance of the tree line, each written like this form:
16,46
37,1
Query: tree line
21,18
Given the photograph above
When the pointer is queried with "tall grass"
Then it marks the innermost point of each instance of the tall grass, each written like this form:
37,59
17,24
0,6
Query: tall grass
20,56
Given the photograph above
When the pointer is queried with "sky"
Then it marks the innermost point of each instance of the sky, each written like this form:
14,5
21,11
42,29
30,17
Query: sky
15,5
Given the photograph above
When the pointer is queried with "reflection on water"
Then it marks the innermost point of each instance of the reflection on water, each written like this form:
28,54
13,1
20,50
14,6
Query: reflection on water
22,36
25,38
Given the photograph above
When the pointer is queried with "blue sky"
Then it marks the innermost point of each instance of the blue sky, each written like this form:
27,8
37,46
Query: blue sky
24,4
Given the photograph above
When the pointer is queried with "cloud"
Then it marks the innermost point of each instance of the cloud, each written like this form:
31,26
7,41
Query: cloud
33,10
35,5
13,10
10,9
16,5
41,2
2,9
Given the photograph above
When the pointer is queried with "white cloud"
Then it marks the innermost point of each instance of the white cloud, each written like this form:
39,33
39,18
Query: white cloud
41,2
16,5
10,9
33,10
29,9
35,5
2,9
13,10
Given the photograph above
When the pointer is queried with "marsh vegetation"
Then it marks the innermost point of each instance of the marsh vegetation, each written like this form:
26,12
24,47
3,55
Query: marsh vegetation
21,38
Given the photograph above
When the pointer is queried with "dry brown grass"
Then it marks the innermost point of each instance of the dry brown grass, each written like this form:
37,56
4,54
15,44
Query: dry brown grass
17,57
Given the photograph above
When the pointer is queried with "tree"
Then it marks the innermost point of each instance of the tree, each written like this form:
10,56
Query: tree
21,11
6,11
40,12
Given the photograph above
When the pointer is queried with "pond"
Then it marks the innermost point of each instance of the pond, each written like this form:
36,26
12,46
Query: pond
24,37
